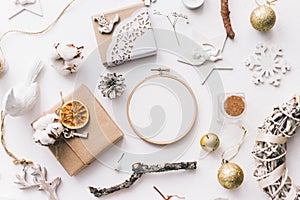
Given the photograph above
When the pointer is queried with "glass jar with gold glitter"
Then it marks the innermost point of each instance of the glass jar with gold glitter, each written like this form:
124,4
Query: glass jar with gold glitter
232,106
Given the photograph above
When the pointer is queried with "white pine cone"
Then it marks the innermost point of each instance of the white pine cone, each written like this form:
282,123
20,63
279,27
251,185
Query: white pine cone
112,85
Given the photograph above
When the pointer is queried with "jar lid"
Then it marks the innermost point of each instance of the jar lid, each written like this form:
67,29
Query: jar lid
193,4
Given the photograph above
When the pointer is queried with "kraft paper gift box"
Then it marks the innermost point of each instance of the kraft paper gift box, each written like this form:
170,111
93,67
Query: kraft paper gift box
74,154
131,38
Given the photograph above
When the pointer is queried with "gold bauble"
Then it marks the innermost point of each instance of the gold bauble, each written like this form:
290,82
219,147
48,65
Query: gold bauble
230,175
209,142
263,18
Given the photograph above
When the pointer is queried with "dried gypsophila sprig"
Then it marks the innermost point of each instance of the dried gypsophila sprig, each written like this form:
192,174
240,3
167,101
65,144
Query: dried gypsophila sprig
167,197
112,85
173,18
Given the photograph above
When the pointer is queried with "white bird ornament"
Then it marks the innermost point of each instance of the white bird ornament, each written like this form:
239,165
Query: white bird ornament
21,98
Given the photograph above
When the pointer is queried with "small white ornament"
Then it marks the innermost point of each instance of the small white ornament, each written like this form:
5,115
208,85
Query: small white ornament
199,56
268,65
24,2
18,6
47,129
149,2
67,58
22,98
210,53
104,25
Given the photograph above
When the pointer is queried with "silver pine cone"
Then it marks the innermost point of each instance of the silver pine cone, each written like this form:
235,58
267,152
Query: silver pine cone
112,85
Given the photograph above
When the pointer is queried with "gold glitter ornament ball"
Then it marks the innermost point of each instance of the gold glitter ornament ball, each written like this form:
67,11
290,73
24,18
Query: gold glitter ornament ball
263,18
230,175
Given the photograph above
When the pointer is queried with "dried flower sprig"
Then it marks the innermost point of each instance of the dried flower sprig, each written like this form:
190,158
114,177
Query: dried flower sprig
173,18
169,196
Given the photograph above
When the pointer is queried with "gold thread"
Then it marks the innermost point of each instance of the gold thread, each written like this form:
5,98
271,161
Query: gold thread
34,32
237,147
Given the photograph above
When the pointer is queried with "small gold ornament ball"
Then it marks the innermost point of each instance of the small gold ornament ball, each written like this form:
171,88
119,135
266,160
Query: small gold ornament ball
263,18
209,142
230,175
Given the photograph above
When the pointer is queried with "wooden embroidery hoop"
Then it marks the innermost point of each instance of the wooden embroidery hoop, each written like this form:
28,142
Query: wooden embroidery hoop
162,75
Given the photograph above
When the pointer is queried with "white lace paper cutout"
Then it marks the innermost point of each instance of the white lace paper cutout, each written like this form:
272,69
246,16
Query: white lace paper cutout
124,39
267,64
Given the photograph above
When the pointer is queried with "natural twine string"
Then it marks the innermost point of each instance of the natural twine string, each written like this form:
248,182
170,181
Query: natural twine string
16,160
235,147
2,60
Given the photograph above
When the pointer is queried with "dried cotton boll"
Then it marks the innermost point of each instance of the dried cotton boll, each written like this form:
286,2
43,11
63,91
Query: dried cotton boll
67,51
55,129
42,137
48,129
49,135
44,121
67,58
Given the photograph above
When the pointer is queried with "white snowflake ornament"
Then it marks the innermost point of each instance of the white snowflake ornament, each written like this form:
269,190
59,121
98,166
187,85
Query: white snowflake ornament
267,64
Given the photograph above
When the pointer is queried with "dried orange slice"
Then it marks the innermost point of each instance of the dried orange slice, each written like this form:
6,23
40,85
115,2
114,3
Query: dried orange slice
74,114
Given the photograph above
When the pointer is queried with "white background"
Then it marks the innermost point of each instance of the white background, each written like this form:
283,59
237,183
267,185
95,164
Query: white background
75,26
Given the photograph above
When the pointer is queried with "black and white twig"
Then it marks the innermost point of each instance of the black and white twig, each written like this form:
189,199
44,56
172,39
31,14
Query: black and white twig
139,170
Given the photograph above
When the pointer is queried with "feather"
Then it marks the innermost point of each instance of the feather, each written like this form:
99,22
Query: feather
35,72
9,100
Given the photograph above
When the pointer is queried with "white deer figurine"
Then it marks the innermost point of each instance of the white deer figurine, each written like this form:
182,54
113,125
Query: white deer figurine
39,179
